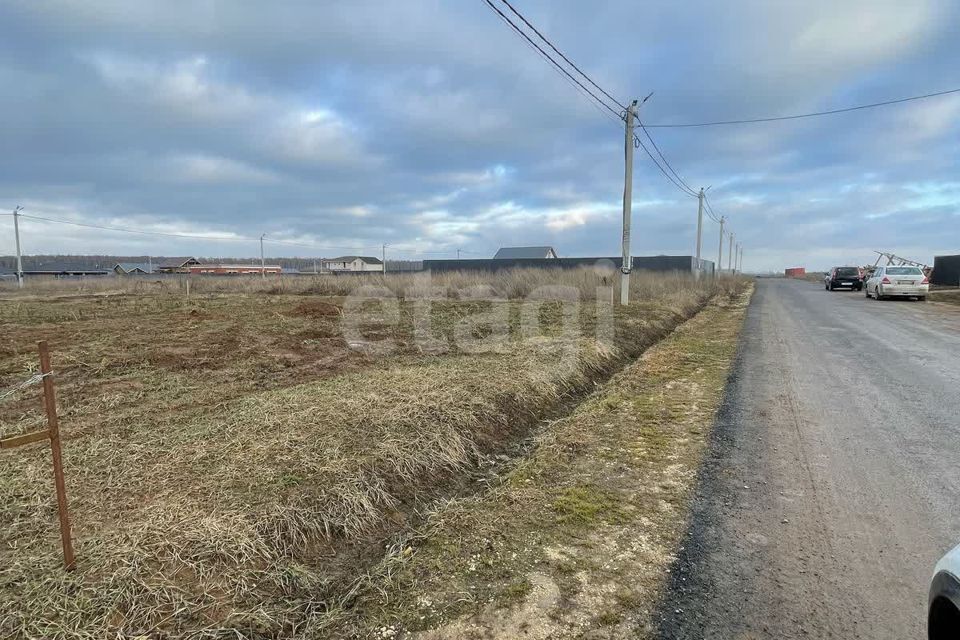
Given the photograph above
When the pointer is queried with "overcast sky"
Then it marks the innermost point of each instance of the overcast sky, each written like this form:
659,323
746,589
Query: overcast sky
430,126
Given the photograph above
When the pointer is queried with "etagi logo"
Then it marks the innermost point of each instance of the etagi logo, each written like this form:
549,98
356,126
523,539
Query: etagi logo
553,321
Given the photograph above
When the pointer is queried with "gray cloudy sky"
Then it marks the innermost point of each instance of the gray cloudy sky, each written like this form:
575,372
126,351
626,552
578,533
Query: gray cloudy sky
430,126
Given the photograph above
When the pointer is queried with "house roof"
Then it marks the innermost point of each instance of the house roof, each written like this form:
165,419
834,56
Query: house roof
177,263
524,252
128,267
367,259
233,265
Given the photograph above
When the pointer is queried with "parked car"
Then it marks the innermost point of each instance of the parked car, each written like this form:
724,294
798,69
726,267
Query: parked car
890,281
847,277
943,609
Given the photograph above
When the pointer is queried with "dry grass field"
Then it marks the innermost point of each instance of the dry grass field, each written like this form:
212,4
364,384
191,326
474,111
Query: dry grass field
237,461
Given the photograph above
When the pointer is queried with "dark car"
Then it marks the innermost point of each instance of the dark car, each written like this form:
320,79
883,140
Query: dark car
843,278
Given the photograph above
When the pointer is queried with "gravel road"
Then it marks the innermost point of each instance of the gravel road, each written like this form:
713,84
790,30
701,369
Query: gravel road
833,483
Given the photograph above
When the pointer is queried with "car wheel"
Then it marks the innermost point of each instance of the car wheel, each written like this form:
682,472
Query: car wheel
877,295
866,292
921,298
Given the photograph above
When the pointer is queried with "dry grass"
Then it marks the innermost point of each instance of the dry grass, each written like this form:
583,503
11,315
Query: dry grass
575,540
233,466
510,283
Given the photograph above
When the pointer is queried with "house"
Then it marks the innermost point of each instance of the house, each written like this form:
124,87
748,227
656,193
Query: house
133,268
234,269
352,263
514,253
7,274
177,265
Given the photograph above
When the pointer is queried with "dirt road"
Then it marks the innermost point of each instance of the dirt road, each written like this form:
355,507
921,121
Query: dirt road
833,486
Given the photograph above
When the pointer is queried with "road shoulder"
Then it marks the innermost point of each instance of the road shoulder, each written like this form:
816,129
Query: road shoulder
576,539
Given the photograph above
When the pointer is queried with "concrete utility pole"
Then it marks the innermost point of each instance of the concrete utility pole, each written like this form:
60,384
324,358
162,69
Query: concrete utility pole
730,255
16,233
625,265
383,258
458,254
699,231
740,266
719,268
263,262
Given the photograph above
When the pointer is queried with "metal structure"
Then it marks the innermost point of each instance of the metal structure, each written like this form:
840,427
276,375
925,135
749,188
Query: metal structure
897,261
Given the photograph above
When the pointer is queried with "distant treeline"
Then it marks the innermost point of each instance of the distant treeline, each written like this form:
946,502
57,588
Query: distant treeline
108,262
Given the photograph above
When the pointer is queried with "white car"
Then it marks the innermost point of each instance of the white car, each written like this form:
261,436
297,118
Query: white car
943,614
890,281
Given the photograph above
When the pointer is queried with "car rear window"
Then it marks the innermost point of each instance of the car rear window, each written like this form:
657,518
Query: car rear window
848,271
904,271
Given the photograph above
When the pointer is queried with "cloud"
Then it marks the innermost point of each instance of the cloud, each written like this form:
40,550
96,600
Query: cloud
430,126
215,170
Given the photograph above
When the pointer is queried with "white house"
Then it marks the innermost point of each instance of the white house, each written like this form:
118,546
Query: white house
352,263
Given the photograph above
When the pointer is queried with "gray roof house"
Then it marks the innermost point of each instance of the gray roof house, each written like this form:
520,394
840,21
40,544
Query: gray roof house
177,265
125,268
513,253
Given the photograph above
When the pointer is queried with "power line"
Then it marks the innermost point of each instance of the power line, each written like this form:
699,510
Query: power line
138,231
193,236
710,211
560,53
685,186
638,142
804,115
677,181
516,28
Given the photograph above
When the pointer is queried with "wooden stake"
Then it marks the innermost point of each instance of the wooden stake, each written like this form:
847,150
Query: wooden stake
50,403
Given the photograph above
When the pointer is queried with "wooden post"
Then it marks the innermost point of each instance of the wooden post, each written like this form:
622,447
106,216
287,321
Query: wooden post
50,403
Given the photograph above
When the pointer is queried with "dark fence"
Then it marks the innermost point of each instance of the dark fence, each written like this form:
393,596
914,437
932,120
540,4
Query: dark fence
685,264
946,270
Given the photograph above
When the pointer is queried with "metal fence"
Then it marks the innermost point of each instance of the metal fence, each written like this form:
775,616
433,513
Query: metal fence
946,271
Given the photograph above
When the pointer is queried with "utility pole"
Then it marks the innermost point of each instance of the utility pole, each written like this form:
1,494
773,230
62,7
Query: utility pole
740,267
383,258
458,254
699,230
150,264
263,262
716,272
16,233
730,254
625,265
